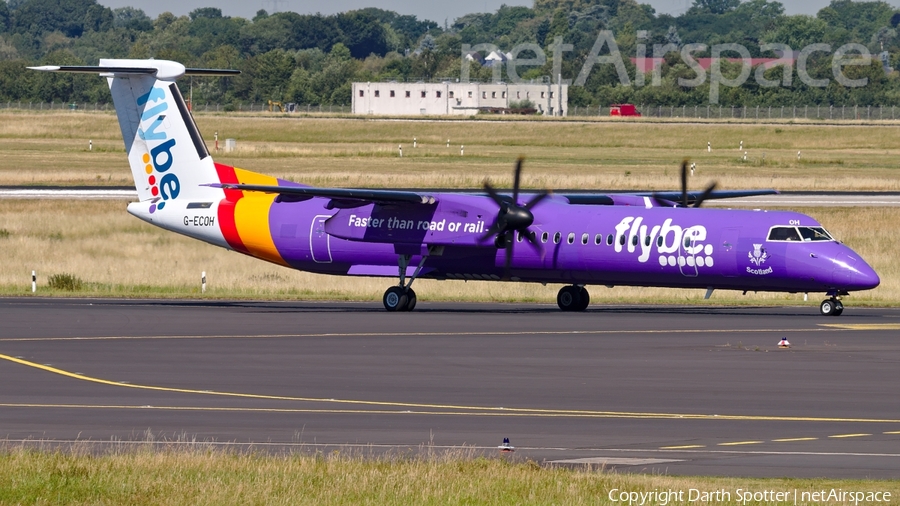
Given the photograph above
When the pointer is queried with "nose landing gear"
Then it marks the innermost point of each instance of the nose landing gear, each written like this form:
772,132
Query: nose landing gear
831,307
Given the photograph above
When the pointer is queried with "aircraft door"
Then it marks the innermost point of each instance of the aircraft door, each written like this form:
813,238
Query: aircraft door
319,240
729,249
686,262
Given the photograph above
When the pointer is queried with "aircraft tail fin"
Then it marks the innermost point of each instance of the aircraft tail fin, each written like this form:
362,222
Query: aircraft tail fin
166,152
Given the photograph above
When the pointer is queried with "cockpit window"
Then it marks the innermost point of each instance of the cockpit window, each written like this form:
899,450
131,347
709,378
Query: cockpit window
814,234
784,234
799,234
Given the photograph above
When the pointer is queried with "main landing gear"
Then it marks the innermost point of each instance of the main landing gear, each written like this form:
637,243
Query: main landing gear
573,298
397,298
402,297
831,307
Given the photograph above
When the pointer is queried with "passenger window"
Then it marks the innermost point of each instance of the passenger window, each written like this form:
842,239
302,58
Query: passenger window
598,239
659,241
519,237
556,238
634,240
647,241
687,242
609,240
571,238
784,234
584,238
814,234
622,239
544,237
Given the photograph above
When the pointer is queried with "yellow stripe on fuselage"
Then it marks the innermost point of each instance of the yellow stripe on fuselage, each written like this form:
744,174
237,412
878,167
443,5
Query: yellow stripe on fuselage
251,217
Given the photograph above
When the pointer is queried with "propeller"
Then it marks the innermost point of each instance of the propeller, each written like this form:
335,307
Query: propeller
512,217
684,193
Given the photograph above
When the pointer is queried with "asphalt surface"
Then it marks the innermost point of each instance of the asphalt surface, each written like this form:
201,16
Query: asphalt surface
677,390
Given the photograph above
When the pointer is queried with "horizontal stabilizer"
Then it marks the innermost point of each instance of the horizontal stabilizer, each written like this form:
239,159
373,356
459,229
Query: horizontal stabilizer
95,70
356,194
163,69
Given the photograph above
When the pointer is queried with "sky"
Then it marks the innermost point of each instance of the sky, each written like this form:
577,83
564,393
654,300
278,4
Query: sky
435,11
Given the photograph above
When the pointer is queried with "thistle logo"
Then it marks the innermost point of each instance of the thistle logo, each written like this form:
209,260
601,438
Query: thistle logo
158,160
758,256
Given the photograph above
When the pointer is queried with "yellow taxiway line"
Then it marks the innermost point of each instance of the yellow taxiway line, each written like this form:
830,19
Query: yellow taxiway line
454,409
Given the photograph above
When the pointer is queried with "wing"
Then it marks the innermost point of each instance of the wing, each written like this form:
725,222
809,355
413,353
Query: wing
693,196
341,197
640,199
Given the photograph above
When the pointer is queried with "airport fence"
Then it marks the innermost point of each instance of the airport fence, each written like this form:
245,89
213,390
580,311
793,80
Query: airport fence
811,112
788,112
206,107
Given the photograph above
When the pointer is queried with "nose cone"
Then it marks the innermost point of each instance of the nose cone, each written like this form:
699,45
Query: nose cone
852,273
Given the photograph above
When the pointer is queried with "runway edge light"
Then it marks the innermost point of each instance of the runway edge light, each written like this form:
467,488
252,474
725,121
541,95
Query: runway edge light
784,343
506,447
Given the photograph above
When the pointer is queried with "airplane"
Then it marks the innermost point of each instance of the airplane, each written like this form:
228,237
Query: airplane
663,239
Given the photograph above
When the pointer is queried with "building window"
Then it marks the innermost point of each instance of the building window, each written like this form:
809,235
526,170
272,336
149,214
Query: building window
493,94
470,94
527,94
377,93
362,93
392,94
551,94
438,94
483,94
503,95
423,94
518,94
450,94
542,94
408,95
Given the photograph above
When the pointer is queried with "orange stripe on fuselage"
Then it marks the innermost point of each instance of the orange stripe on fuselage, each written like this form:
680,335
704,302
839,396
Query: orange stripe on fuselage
251,217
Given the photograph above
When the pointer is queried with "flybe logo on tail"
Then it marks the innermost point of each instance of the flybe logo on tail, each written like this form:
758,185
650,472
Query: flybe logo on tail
164,185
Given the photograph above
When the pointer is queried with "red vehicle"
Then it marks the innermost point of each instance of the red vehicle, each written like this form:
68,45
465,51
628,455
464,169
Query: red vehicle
623,110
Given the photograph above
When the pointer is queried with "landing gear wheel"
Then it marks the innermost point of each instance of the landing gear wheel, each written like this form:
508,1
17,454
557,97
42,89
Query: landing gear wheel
573,298
395,299
584,299
410,299
829,307
567,298
838,308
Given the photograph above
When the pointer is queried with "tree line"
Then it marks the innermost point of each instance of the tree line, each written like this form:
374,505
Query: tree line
313,59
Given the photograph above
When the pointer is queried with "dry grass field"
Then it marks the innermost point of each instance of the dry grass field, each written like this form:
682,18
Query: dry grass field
115,254
52,149
200,476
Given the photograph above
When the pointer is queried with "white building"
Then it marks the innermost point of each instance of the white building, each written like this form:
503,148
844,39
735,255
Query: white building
439,99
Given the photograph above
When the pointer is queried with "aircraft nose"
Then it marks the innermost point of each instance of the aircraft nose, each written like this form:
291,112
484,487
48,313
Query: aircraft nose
852,273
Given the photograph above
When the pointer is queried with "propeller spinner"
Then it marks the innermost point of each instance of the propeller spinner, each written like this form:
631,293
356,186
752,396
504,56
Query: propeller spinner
511,218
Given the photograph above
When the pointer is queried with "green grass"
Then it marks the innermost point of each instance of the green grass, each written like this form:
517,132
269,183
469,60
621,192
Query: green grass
201,475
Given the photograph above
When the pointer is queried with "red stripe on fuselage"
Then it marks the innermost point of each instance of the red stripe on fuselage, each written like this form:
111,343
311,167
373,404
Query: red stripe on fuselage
227,207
